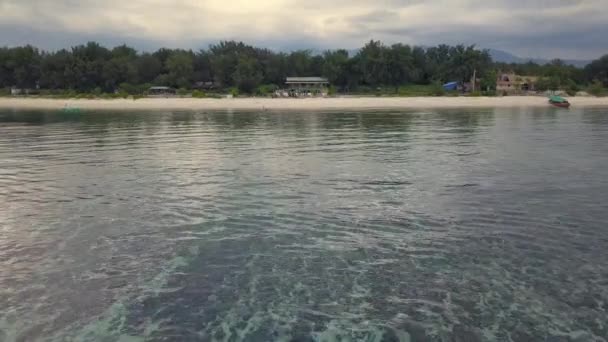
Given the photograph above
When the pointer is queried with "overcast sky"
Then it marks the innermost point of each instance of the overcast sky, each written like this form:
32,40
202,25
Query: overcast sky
528,28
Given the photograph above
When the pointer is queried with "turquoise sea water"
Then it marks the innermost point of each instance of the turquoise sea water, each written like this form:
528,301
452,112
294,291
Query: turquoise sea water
452,225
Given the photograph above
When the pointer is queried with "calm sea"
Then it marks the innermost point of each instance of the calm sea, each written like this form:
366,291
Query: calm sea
451,225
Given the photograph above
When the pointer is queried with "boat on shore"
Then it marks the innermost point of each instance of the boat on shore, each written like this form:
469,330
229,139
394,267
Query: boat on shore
559,101
70,109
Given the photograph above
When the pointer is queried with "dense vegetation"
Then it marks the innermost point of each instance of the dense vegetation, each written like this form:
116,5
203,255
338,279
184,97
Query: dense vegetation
92,68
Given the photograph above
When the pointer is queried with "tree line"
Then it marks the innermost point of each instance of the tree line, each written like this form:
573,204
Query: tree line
92,67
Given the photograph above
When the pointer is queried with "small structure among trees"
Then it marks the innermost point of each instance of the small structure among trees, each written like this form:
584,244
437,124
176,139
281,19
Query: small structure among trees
161,91
511,83
307,86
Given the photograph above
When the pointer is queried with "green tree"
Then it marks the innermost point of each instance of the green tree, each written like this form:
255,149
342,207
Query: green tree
230,63
373,63
119,70
86,69
6,74
335,67
400,63
124,51
548,83
274,66
596,89
598,71
419,73
572,88
23,63
224,58
464,61
53,68
163,55
437,67
353,73
299,63
202,67
148,68
488,81
180,67
247,75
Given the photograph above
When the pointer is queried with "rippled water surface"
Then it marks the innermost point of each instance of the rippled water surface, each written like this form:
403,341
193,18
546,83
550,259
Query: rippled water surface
484,225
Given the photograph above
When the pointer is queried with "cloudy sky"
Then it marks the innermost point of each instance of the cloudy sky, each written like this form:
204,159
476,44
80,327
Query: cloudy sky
528,28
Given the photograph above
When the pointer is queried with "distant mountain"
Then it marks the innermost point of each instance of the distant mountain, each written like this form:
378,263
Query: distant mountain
497,55
506,57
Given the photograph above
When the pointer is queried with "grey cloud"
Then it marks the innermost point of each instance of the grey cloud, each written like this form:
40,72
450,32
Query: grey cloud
543,28
378,16
57,39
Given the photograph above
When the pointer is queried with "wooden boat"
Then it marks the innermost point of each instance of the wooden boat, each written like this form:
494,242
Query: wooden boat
559,101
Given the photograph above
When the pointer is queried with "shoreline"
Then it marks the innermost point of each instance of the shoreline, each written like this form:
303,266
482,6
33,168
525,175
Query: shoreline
294,103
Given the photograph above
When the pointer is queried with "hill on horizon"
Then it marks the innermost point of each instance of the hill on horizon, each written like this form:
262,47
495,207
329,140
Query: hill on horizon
498,56
507,57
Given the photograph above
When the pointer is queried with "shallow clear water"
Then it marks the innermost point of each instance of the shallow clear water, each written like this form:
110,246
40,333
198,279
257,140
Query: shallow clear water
484,225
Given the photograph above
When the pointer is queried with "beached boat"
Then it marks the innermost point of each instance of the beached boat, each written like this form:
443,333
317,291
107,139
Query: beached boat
68,109
559,101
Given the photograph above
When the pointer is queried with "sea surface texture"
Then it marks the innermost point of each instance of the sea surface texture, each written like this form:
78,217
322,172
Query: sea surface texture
447,225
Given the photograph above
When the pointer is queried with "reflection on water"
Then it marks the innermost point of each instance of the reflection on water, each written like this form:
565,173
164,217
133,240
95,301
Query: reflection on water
231,226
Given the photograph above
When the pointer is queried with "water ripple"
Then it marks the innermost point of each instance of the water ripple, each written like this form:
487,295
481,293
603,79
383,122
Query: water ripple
388,226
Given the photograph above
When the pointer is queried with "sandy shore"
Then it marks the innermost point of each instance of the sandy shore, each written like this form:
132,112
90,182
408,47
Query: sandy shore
296,104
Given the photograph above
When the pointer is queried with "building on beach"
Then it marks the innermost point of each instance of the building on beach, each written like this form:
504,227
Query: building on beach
511,83
16,91
204,85
306,86
161,91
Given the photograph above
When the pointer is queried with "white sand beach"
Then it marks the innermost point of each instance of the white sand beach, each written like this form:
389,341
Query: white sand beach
294,104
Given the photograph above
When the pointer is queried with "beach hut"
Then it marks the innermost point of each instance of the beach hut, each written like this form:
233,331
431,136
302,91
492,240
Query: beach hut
15,91
307,86
161,91
511,83
204,85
